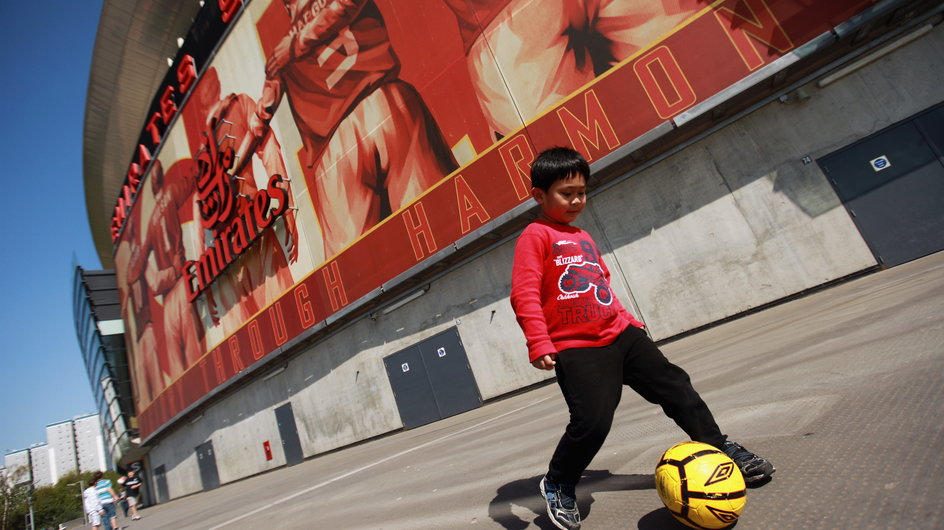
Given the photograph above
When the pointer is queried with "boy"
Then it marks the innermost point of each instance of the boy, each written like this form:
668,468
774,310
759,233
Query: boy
573,324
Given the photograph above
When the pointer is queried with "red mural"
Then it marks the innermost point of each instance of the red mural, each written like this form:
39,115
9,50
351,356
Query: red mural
334,144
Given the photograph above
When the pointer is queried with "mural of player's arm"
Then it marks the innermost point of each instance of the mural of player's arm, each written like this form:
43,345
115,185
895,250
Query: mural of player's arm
181,328
130,257
163,274
311,27
129,266
161,280
270,152
262,142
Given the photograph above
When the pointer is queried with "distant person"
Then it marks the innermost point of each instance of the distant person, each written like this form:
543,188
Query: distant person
107,497
122,496
93,507
573,323
132,493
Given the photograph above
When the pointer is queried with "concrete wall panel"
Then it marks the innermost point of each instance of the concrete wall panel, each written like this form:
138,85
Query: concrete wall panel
340,391
493,341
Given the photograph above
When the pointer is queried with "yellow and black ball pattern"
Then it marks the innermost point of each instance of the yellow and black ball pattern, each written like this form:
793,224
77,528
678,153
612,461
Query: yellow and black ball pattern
700,485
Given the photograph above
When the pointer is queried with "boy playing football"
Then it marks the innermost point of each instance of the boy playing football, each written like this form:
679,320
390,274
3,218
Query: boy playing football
575,326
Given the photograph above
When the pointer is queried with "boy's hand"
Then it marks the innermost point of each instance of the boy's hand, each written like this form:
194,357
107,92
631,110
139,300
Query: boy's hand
544,362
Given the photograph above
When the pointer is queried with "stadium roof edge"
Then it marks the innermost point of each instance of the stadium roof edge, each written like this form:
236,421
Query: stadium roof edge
129,61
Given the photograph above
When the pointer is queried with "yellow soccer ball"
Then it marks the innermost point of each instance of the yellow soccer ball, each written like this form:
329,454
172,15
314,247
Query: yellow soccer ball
700,485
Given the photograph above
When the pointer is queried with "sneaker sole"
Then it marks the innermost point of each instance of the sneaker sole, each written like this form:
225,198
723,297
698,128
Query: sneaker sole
758,478
551,515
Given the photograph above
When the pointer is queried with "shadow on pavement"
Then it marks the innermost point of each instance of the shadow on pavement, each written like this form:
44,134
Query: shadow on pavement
661,519
524,493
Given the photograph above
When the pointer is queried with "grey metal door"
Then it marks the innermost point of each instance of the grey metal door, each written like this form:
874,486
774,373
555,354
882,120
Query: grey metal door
160,478
411,388
432,380
207,463
892,184
449,373
288,432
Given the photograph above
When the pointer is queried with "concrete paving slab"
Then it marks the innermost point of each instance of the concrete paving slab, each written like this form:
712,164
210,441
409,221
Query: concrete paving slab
842,389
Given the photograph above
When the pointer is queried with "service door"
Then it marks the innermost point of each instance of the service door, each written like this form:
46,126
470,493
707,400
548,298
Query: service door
432,380
892,185
288,432
411,388
160,478
449,373
207,462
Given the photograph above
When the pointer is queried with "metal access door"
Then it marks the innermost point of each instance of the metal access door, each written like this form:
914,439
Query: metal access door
432,380
288,432
892,184
207,462
449,373
411,388
160,478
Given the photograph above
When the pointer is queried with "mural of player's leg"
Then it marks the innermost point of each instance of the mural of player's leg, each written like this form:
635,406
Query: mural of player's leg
135,305
520,67
183,346
281,242
387,143
146,367
146,350
267,263
524,61
264,273
165,256
225,298
626,27
274,267
417,156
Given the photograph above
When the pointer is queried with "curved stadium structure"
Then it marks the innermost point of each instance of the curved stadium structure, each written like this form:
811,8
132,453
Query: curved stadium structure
310,207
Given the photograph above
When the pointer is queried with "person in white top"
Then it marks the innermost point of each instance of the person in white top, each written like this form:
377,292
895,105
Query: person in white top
93,508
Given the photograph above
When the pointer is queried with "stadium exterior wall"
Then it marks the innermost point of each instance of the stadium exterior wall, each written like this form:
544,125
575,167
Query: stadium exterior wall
303,165
729,222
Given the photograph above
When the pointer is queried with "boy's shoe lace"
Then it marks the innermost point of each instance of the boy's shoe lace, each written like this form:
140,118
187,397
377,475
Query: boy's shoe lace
754,468
561,504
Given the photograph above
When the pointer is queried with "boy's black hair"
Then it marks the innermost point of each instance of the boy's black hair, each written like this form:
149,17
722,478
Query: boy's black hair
557,163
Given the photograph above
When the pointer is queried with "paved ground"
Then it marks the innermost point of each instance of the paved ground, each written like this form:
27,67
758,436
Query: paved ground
841,389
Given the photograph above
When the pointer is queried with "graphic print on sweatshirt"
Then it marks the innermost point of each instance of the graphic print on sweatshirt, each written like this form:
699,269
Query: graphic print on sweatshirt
582,271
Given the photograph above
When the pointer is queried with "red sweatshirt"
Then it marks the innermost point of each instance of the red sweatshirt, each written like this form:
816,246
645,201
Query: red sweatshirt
560,291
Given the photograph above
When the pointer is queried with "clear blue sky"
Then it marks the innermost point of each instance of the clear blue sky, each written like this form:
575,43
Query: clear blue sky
47,53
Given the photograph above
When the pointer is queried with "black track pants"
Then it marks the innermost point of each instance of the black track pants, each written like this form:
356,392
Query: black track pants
592,380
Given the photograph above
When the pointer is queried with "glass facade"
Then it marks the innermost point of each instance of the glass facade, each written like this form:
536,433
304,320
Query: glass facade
97,313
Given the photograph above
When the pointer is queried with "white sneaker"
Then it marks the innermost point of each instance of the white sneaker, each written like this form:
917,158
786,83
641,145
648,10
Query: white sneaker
561,504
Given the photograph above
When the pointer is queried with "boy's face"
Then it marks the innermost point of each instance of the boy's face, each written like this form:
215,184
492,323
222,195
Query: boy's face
564,200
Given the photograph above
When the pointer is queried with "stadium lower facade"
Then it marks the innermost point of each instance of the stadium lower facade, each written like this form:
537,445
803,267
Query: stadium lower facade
311,206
